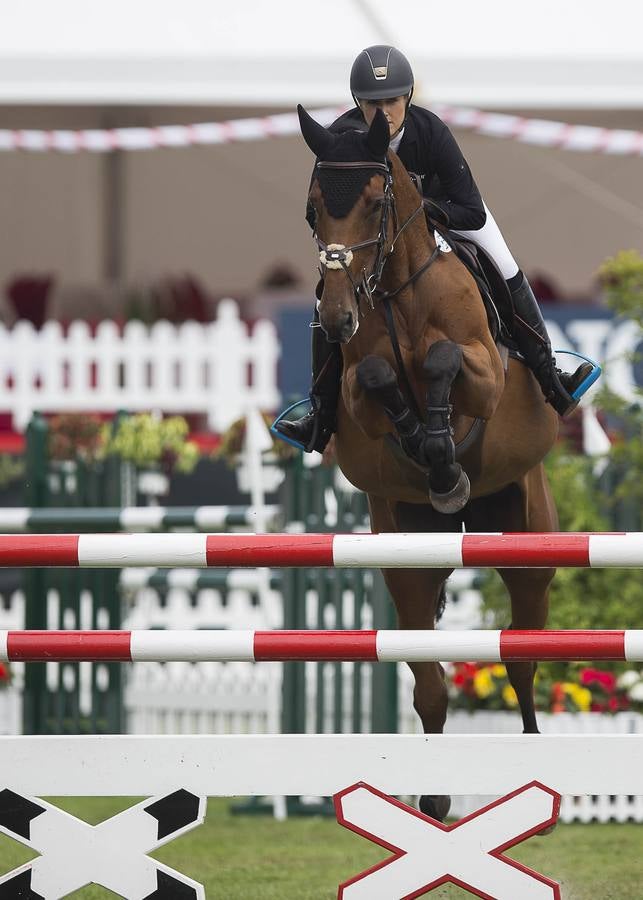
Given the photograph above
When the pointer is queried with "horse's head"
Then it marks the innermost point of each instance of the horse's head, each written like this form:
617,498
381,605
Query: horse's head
350,200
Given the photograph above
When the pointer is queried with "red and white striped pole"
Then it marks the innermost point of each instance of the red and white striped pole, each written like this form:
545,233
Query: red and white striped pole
319,646
519,550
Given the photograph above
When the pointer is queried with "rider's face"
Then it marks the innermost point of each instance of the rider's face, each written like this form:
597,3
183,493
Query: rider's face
394,109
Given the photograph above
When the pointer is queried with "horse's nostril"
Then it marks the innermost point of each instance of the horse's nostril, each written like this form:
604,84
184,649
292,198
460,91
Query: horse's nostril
349,322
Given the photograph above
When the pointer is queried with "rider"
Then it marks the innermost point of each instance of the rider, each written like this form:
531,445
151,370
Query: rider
381,77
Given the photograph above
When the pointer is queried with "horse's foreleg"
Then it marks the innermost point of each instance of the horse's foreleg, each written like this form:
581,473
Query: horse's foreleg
448,481
378,379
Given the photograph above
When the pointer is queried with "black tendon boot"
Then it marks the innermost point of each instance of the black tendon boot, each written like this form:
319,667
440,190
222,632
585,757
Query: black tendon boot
533,342
314,430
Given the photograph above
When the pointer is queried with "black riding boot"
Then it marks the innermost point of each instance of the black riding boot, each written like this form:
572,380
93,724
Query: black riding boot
533,342
314,430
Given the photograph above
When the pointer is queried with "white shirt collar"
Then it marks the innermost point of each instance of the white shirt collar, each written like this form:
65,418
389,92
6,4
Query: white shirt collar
395,142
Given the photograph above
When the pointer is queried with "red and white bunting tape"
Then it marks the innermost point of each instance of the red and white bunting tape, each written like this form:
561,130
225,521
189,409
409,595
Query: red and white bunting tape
539,132
199,134
363,646
544,132
329,550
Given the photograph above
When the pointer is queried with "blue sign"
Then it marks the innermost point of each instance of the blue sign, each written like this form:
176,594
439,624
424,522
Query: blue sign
590,330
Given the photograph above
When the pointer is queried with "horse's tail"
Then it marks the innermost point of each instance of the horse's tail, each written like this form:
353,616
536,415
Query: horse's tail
442,602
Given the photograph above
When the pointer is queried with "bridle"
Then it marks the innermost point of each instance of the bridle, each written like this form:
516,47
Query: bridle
338,256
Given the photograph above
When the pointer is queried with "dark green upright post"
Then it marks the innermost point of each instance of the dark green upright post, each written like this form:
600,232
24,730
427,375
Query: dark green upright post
35,580
294,583
74,483
308,494
384,684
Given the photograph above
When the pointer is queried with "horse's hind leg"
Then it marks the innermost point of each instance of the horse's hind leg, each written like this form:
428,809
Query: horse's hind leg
417,594
525,507
529,590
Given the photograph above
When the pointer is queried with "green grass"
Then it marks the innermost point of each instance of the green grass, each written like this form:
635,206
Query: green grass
238,857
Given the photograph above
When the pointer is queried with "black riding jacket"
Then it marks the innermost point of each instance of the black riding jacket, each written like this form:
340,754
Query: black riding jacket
429,149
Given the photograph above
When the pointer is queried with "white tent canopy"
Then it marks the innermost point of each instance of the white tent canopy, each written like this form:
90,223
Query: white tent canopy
501,53
227,213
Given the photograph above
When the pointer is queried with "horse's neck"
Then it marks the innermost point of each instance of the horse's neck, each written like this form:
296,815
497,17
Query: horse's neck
412,249
415,241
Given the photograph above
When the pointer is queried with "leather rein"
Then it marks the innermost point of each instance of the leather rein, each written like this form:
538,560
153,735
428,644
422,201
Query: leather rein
339,256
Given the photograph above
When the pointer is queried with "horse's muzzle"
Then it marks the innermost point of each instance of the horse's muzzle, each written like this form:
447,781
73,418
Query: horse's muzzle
340,328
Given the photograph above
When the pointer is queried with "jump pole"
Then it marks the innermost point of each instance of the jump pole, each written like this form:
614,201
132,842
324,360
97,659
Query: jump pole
130,518
319,646
521,550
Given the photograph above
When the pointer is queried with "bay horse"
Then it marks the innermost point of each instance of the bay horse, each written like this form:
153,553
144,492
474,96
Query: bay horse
430,425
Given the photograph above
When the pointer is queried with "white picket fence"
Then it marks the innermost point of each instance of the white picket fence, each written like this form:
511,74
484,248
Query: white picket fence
219,369
204,697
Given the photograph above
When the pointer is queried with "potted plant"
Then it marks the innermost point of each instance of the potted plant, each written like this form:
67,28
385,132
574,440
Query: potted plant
233,439
156,446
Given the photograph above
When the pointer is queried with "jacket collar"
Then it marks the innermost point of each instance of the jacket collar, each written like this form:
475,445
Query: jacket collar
410,131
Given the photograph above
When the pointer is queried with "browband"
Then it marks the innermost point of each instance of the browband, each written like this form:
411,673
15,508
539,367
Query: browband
364,164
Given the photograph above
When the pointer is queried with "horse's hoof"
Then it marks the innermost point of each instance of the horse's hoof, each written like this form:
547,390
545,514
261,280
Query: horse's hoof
436,806
455,499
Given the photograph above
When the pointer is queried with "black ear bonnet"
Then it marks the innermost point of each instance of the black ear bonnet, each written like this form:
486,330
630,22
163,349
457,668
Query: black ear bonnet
342,187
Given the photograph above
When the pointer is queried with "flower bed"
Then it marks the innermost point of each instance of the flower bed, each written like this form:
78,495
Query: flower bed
586,689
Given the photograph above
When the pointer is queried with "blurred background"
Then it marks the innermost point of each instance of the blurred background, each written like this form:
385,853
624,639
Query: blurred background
158,231
109,228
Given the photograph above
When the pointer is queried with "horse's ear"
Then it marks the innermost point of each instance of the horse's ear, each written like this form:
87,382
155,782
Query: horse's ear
318,138
378,134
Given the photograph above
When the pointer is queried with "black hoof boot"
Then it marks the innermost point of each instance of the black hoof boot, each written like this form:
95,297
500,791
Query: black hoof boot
454,500
436,806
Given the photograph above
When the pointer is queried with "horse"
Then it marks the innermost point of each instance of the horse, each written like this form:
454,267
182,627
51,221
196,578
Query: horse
436,428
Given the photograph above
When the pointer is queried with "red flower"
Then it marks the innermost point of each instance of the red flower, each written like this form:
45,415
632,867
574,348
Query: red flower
607,680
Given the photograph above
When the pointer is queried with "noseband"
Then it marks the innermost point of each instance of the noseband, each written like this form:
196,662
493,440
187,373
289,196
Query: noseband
337,256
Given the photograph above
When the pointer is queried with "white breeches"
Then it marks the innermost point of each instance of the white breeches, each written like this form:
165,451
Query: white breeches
490,238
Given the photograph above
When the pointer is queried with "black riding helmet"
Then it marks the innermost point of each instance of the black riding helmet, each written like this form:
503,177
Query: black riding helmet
381,72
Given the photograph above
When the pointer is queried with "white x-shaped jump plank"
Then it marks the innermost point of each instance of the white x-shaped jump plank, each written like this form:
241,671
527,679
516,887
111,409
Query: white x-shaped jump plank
112,853
467,853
